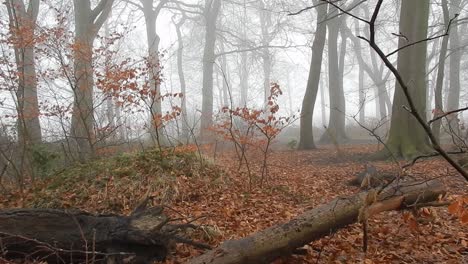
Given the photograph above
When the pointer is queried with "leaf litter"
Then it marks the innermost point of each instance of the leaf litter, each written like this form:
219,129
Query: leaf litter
217,193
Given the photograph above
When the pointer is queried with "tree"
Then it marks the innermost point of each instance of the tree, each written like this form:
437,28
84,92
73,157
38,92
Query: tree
180,72
308,103
453,97
406,137
336,126
441,73
375,72
22,29
88,21
151,13
210,14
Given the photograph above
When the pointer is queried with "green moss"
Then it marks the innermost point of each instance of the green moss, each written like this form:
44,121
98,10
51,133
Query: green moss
118,183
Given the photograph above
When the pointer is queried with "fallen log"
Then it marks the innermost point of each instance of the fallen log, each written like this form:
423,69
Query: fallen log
62,236
282,240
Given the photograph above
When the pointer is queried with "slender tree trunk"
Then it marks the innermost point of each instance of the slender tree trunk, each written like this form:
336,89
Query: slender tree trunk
22,27
453,98
180,72
151,15
407,138
382,100
211,11
438,109
244,78
322,100
336,126
265,24
308,103
225,76
362,93
110,106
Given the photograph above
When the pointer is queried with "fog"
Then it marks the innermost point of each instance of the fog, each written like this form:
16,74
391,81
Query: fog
150,58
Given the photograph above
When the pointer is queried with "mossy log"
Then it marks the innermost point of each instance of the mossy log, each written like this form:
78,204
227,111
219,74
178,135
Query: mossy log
282,240
62,236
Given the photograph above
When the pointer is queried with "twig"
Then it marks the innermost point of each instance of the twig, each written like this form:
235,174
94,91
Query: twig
446,114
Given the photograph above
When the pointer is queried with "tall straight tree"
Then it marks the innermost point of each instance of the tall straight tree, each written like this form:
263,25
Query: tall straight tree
406,137
336,126
453,98
88,21
440,74
180,71
308,103
22,27
151,14
210,14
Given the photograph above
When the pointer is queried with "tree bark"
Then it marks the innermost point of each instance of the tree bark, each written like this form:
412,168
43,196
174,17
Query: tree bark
151,14
183,85
22,26
308,103
407,138
265,23
335,132
87,24
362,93
453,97
438,109
61,236
211,12
281,240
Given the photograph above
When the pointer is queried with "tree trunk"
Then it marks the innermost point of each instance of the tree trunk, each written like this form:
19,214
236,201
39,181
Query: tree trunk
438,109
62,236
407,138
110,105
151,15
382,99
87,24
281,240
183,85
225,75
265,23
362,92
22,27
335,132
308,103
453,97
322,100
244,78
211,11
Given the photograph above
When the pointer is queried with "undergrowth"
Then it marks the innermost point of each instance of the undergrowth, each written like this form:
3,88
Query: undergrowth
117,184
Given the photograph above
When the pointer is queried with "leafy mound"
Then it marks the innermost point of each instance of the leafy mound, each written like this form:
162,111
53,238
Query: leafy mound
118,184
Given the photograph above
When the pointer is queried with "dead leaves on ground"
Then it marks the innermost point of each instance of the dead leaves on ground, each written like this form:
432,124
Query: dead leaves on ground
297,181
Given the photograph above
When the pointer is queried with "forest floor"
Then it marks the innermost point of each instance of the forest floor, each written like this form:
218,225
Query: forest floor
297,181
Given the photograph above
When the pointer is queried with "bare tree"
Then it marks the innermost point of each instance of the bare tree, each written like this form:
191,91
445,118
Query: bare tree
88,21
22,27
335,131
308,103
407,138
210,13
